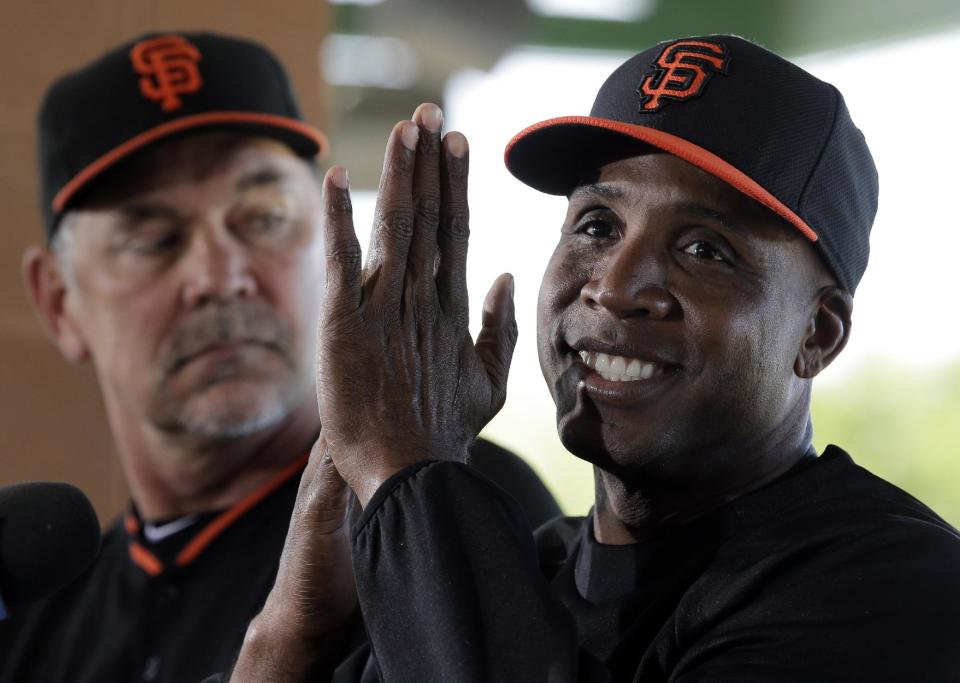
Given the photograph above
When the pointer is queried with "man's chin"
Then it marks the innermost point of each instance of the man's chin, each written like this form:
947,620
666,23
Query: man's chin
231,426
226,412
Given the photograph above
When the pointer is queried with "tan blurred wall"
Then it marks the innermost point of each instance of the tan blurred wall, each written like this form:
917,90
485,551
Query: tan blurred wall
52,425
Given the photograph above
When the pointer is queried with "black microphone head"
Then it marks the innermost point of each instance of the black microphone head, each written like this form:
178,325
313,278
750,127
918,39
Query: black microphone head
49,534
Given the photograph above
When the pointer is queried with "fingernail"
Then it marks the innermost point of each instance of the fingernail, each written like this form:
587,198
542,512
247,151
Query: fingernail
410,135
432,118
511,284
456,144
339,177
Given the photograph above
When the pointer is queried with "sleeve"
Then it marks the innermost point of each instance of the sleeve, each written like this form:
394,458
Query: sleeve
449,583
883,606
509,471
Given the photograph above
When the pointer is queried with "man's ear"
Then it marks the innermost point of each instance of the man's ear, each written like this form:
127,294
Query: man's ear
828,330
44,278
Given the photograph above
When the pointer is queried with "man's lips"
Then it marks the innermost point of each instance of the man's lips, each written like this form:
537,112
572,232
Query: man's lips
624,362
220,351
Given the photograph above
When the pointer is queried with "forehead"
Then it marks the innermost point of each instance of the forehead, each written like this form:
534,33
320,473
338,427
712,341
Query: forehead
189,161
662,180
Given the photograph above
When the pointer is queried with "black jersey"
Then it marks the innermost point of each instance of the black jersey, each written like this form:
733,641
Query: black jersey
176,610
827,574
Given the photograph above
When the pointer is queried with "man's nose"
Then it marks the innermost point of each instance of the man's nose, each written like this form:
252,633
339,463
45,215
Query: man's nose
631,282
216,266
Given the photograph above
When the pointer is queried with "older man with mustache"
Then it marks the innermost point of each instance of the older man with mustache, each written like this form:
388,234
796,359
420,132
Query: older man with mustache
182,204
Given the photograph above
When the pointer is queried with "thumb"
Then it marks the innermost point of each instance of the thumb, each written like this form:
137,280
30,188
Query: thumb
314,592
323,497
498,336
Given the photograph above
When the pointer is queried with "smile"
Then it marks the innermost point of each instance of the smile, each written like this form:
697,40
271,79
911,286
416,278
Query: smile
620,368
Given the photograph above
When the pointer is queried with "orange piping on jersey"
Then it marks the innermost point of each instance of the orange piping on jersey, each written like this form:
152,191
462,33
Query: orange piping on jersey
193,549
688,151
149,562
144,559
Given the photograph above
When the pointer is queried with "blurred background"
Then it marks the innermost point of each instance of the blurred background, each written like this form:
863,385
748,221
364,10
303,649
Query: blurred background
892,399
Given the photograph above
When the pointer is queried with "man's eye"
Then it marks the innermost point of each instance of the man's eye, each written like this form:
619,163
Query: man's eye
704,250
268,221
595,228
265,222
153,244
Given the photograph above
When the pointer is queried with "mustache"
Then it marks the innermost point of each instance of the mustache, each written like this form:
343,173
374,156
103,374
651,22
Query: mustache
220,324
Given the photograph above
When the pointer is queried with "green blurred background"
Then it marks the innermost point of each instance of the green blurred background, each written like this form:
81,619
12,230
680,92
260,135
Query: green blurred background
902,424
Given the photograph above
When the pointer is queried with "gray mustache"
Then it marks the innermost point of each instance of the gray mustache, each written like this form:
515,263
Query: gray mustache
221,324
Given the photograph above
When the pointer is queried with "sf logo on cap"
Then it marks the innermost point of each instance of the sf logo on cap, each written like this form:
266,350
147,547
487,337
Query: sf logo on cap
168,66
680,72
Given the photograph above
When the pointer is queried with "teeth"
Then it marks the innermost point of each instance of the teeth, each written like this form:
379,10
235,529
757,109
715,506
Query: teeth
603,363
619,368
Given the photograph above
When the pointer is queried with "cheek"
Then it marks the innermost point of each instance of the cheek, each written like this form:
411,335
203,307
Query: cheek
559,289
750,347
126,337
563,279
293,285
140,325
124,316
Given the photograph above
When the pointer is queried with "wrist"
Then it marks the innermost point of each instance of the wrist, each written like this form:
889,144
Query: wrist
369,482
274,652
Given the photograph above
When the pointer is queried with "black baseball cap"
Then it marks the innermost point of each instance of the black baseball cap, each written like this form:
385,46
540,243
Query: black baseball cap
738,111
154,87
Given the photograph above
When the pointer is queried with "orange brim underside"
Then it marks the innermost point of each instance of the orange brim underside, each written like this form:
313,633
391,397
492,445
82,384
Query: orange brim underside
180,125
678,147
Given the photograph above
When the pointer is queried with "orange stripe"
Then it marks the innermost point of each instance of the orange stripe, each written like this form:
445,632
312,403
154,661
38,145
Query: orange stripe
131,523
688,151
146,560
147,137
228,517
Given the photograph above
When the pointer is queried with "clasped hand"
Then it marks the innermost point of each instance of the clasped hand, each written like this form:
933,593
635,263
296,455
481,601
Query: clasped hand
399,378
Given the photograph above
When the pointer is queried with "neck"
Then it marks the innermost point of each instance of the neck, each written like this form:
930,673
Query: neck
171,476
630,511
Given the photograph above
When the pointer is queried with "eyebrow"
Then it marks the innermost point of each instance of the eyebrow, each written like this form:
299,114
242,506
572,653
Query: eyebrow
260,178
138,212
712,214
602,190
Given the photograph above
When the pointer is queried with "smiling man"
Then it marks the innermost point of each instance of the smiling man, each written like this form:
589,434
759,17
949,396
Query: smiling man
720,203
184,262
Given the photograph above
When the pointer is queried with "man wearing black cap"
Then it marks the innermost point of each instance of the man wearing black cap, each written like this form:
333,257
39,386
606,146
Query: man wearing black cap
182,205
720,201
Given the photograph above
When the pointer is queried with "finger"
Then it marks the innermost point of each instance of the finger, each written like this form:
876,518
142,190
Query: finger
393,221
454,232
426,196
498,336
340,245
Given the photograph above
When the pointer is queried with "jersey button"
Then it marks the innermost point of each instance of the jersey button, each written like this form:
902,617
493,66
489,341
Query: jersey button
166,594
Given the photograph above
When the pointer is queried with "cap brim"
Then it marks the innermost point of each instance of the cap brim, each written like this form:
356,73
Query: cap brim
303,138
555,155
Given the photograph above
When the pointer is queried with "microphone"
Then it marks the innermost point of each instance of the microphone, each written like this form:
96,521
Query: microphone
49,534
